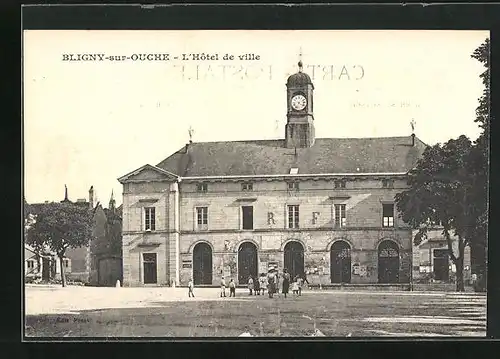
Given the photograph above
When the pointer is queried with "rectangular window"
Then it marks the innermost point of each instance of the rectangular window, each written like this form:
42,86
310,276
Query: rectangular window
340,216
150,219
293,216
202,218
388,215
339,184
247,212
66,263
247,186
388,183
293,186
30,264
201,187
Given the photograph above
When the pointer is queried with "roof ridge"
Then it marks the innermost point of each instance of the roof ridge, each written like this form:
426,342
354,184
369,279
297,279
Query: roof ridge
317,138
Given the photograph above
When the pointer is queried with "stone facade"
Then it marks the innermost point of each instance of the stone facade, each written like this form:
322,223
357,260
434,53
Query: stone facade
176,233
312,205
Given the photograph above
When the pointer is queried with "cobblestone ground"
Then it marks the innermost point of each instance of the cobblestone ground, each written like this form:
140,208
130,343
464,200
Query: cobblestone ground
53,311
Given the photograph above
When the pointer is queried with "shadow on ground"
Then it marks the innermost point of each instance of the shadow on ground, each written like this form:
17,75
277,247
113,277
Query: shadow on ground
335,315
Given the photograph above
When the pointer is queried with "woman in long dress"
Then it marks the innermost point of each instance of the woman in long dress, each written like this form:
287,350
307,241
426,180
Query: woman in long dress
286,282
271,280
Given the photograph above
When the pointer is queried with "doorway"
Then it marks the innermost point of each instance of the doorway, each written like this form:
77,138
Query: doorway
247,262
340,262
150,271
441,265
202,264
294,258
388,262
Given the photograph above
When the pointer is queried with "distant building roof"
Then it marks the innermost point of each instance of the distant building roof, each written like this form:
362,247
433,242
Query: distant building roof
271,157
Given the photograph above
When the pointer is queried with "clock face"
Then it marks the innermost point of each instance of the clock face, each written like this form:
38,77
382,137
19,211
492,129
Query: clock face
299,102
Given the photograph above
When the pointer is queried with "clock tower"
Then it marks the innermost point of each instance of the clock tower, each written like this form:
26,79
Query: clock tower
299,130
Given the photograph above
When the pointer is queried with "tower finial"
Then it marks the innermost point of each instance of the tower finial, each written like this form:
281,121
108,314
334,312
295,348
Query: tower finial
412,124
191,132
300,59
65,192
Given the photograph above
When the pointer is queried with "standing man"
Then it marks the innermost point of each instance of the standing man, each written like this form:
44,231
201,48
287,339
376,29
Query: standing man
190,288
222,287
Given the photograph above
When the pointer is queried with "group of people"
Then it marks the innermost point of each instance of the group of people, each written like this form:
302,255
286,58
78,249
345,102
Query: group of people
258,285
271,282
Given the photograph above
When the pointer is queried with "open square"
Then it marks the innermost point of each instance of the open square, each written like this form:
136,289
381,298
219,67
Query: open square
75,311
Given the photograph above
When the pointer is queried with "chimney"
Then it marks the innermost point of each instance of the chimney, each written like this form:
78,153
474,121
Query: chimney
413,140
91,197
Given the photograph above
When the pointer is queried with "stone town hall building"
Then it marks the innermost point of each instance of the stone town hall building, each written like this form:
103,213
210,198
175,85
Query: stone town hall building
319,206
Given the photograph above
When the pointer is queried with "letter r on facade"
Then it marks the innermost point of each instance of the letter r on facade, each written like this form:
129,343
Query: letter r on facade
270,218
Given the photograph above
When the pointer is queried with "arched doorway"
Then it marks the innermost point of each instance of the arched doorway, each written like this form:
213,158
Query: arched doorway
247,262
202,264
388,262
340,262
294,258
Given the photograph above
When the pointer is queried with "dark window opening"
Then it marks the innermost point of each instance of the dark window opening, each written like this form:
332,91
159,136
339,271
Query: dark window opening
388,215
202,187
293,186
339,183
247,212
388,183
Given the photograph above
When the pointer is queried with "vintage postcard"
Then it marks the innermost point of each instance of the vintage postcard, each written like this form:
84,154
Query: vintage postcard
255,183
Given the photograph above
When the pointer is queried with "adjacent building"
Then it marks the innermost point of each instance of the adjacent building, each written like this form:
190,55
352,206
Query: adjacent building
98,263
432,262
323,207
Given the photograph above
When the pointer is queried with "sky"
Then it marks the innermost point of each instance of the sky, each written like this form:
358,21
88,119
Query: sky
87,123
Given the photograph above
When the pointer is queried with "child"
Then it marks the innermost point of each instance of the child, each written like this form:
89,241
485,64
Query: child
295,287
250,285
262,283
300,282
222,287
232,288
256,286
190,288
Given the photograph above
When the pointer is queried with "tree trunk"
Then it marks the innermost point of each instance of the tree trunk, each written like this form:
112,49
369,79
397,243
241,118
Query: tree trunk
63,271
459,265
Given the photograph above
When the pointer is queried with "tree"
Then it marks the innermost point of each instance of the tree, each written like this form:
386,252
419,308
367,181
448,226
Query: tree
481,160
440,192
449,185
60,226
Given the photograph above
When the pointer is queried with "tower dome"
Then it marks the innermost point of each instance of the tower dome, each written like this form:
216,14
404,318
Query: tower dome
299,79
